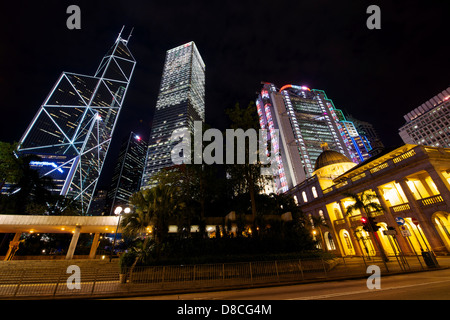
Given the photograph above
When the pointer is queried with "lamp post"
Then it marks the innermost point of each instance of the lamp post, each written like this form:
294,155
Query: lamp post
117,212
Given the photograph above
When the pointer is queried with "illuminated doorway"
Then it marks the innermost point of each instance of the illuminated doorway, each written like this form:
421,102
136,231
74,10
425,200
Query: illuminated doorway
386,243
329,241
365,242
417,238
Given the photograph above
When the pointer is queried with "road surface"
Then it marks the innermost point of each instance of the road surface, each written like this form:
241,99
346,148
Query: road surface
428,285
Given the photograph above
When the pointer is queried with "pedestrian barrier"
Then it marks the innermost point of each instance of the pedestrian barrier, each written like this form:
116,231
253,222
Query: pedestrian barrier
33,280
16,282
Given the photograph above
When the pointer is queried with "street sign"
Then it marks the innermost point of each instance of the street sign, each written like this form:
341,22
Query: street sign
400,221
415,221
405,232
389,232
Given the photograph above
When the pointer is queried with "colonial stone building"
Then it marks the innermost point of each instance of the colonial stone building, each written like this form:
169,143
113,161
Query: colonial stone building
411,183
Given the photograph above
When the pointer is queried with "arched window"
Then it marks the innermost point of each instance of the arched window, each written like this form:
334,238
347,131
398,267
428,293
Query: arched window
314,192
305,198
322,217
295,199
330,242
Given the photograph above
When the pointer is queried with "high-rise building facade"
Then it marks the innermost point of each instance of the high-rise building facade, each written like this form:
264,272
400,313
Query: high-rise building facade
76,122
306,120
357,144
181,101
429,124
367,130
127,172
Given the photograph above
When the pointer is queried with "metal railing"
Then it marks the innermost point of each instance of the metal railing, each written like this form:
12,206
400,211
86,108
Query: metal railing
100,281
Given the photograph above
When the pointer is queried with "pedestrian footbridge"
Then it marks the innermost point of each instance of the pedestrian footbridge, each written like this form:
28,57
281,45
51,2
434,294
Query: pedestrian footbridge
19,224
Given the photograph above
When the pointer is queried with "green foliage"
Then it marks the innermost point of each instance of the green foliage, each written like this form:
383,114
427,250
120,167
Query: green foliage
33,195
245,178
10,165
364,201
126,260
155,206
216,250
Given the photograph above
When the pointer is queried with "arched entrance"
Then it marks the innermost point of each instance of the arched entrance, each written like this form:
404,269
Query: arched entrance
417,238
441,221
365,242
346,241
329,242
387,243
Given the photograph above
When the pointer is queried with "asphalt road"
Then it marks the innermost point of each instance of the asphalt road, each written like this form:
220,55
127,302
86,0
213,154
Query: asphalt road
428,285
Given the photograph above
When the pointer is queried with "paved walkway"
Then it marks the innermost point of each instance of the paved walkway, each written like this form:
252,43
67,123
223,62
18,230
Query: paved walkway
348,267
99,278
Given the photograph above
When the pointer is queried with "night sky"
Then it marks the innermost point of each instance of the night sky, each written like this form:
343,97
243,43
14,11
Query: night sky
375,75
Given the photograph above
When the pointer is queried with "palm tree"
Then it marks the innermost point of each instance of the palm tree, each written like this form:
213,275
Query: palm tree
365,202
155,206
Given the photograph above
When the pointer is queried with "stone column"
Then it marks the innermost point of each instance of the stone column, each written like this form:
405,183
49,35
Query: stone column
94,246
392,223
73,243
356,244
441,183
427,227
336,236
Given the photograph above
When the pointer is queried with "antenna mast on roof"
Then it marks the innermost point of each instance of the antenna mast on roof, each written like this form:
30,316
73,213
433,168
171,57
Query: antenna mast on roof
129,36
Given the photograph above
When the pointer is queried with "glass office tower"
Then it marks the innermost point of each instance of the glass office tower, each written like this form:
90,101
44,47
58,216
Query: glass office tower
306,120
181,101
77,121
127,172
429,123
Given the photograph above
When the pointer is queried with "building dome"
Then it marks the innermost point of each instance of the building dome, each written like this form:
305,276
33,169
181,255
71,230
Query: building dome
328,157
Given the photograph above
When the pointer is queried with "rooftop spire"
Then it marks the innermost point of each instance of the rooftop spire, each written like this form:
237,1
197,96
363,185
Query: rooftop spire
324,146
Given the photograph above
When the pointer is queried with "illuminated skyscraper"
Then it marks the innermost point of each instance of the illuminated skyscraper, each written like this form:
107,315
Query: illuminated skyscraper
306,120
127,172
76,123
181,101
367,130
429,124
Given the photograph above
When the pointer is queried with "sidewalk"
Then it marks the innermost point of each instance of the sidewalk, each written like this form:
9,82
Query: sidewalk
355,266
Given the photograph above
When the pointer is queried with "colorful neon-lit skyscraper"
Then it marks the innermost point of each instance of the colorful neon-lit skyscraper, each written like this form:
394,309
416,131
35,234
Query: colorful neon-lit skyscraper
307,120
181,101
77,121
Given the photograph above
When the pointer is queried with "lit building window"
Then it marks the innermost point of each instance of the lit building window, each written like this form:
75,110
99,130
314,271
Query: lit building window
314,192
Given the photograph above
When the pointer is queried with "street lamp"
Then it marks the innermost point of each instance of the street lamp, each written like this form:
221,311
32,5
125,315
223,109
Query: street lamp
117,212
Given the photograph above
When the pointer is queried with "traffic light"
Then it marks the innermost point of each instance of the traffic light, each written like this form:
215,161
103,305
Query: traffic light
365,223
373,224
369,223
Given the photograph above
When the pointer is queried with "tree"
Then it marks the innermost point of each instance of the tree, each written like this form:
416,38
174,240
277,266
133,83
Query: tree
10,165
30,191
363,201
155,206
366,204
246,178
56,205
